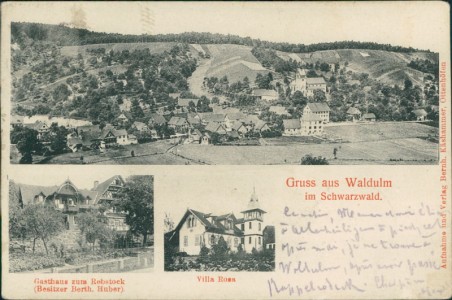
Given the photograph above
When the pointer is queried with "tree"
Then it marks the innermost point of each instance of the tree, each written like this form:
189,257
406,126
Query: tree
220,249
57,138
137,200
308,159
26,141
42,222
60,93
92,228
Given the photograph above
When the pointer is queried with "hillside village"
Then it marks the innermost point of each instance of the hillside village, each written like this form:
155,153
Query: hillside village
75,99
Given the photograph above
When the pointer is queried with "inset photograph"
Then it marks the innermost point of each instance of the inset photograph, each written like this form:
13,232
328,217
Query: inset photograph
76,225
202,240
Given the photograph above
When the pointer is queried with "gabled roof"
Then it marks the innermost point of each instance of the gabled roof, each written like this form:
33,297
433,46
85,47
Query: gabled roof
279,110
251,119
184,102
318,107
353,111
266,93
214,118
311,118
118,132
259,125
420,112
140,126
292,124
235,116
193,121
211,223
237,126
214,127
177,121
102,187
28,192
315,80
158,119
369,116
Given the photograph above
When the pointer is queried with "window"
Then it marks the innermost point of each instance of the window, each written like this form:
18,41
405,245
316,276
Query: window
185,241
191,222
249,240
243,226
212,239
259,240
197,240
242,241
251,226
259,226
236,242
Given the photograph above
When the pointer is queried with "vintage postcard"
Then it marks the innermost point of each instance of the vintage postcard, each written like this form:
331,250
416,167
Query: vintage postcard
226,150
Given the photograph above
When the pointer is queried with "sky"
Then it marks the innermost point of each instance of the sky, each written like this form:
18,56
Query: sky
221,191
421,24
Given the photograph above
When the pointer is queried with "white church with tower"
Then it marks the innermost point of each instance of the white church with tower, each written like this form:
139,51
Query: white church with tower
307,85
197,229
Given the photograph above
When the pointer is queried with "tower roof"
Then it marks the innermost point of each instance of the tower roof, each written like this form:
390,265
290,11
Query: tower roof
253,204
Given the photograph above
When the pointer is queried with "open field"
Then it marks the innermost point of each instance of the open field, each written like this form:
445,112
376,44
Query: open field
234,61
388,67
401,151
388,143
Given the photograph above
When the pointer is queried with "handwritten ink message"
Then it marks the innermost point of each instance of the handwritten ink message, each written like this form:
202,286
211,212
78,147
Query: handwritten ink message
354,251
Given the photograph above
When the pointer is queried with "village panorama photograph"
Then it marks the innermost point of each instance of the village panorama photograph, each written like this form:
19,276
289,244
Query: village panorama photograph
74,225
178,94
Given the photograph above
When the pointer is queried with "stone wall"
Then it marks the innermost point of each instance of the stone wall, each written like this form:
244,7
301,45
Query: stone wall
142,260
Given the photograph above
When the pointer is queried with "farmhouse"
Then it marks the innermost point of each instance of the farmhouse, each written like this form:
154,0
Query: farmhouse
320,109
197,229
292,127
140,126
156,120
369,117
279,110
216,127
353,114
420,114
180,125
306,85
266,95
71,200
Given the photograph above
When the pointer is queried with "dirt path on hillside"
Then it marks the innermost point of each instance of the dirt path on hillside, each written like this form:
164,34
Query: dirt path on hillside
197,78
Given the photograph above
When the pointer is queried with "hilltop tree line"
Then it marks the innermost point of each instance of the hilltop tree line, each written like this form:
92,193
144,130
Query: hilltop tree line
64,36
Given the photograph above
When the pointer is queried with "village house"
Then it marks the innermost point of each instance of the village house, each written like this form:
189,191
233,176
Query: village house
261,126
156,120
71,200
292,127
369,117
140,126
266,95
41,127
240,128
180,125
232,118
320,109
307,85
197,229
185,103
420,114
279,110
311,124
353,114
216,128
217,118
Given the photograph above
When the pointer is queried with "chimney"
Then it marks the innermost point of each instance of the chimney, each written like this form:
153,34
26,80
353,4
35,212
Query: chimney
96,183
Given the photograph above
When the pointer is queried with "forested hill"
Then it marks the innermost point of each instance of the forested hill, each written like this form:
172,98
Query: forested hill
25,33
